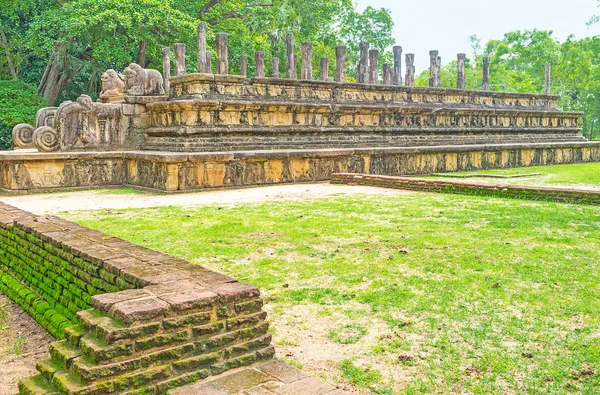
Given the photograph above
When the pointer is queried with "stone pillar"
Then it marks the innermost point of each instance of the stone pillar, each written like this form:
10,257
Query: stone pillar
202,58
166,53
274,67
387,74
259,57
397,72
486,74
290,62
179,58
244,65
547,79
222,55
410,70
340,64
363,63
460,80
434,76
324,72
306,71
373,66
209,63
295,57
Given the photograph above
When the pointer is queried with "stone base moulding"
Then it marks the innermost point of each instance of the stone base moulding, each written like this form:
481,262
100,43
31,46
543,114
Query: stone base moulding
26,172
566,195
129,319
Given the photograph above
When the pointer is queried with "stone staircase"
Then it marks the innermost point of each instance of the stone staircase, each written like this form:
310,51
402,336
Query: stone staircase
105,355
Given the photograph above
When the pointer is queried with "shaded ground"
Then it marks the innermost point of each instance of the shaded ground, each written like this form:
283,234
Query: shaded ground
23,342
52,203
411,293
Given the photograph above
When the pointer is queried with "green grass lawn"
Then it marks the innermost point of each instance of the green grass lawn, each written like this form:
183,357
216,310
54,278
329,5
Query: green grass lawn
415,293
576,175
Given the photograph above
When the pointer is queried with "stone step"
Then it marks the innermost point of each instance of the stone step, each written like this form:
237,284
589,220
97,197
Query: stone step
63,353
48,368
111,330
36,385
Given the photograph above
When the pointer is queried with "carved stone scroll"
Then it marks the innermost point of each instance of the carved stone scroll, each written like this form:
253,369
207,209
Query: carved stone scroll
22,135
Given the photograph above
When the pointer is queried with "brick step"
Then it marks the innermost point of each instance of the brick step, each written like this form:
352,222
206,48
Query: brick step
185,358
63,353
36,385
111,330
105,343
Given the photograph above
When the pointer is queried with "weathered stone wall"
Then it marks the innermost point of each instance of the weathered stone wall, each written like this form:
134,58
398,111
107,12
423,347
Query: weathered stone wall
528,192
132,320
32,172
208,112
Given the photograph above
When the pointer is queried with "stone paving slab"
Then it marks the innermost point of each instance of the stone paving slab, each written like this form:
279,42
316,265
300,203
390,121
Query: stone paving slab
271,378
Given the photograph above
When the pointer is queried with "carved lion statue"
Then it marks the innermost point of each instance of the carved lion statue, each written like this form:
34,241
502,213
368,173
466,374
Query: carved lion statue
143,82
113,83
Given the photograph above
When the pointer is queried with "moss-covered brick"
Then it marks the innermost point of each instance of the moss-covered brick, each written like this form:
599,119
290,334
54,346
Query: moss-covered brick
90,371
67,383
178,381
35,385
167,354
196,362
99,351
123,284
165,339
48,368
138,379
106,276
63,353
190,319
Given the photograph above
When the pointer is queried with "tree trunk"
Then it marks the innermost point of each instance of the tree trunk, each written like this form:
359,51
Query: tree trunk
9,61
141,57
56,76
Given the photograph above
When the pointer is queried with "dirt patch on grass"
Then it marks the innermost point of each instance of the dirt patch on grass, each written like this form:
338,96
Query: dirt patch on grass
23,342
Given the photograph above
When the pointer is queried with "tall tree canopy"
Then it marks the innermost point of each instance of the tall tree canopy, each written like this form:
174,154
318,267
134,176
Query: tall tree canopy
64,45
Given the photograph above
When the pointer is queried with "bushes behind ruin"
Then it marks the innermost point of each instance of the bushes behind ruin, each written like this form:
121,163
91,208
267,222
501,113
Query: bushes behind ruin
19,102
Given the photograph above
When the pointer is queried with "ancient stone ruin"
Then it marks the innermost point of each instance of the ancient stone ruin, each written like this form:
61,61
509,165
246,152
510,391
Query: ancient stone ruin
218,130
131,320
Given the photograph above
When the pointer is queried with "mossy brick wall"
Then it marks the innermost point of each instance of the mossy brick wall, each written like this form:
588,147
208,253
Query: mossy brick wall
510,191
51,281
132,320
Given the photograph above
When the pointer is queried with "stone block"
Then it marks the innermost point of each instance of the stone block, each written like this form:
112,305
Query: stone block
104,302
282,371
233,292
139,309
190,299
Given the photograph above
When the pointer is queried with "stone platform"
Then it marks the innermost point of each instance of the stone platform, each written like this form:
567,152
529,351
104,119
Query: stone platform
28,171
271,378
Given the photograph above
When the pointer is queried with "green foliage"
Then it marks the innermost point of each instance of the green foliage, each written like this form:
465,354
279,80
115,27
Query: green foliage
82,38
18,104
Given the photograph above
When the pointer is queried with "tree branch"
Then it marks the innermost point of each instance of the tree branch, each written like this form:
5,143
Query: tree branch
9,61
206,7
